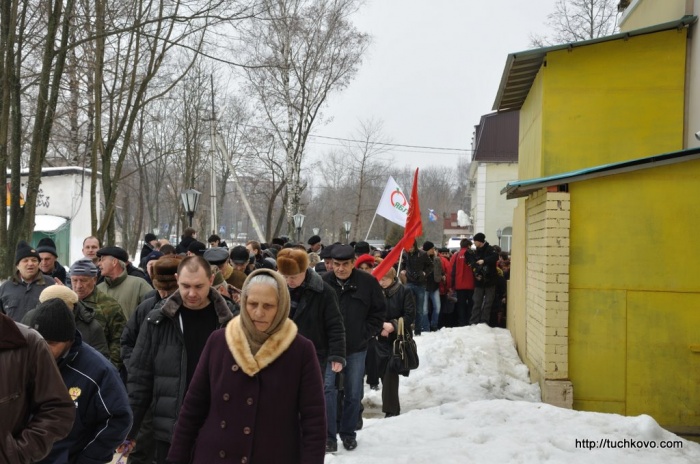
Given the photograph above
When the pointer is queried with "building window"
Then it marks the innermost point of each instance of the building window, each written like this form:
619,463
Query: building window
506,239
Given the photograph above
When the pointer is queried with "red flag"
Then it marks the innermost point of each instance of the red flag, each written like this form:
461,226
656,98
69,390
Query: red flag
414,228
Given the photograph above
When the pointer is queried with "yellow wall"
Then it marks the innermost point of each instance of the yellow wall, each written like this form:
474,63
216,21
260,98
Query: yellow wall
612,101
650,12
530,132
634,304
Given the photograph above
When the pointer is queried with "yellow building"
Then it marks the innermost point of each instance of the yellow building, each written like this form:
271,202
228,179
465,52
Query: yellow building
604,298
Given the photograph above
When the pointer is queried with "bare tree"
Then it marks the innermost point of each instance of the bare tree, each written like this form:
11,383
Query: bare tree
367,144
299,52
33,48
577,20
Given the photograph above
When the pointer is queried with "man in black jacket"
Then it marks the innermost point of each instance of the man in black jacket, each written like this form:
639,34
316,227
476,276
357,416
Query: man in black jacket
314,308
168,347
416,267
485,280
363,308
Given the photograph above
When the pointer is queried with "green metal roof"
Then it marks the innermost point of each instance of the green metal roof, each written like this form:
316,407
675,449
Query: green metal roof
524,188
522,67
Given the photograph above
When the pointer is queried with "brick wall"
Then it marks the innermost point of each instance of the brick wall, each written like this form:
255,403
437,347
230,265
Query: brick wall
547,284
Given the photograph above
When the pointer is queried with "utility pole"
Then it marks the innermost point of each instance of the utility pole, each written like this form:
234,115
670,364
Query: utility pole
212,171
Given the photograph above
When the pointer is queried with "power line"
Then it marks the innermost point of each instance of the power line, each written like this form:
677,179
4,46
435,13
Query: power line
400,145
393,144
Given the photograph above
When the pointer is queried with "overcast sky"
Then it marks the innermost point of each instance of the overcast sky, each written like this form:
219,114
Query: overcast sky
432,70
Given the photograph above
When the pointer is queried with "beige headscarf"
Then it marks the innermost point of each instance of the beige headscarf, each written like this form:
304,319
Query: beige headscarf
254,336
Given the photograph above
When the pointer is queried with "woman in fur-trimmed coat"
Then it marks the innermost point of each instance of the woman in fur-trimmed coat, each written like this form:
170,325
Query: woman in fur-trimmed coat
257,393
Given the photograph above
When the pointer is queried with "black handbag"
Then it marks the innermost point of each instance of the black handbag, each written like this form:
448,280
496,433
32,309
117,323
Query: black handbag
404,357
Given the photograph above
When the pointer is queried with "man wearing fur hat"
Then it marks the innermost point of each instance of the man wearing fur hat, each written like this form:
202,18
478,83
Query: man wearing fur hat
102,409
168,348
83,277
128,290
85,321
21,293
48,260
314,308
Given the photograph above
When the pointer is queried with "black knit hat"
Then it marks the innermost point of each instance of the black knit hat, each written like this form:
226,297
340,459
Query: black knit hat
428,245
480,238
46,245
54,321
149,237
25,251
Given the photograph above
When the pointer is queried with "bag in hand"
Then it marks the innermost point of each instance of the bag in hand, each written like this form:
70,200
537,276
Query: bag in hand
404,357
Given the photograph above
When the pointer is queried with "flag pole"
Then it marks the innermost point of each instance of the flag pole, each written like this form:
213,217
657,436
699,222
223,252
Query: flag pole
370,225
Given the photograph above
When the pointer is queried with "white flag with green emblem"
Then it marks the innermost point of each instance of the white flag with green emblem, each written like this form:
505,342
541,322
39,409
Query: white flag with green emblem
393,205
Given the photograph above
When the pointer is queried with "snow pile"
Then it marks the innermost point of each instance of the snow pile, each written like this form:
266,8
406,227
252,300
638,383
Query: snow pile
471,402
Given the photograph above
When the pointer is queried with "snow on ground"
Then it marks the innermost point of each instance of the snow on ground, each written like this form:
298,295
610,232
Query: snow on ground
471,402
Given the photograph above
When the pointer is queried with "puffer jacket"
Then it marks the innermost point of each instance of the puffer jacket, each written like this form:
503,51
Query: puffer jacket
90,330
131,331
159,365
318,318
35,408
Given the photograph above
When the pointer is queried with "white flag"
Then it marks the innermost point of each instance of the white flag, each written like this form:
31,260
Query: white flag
394,204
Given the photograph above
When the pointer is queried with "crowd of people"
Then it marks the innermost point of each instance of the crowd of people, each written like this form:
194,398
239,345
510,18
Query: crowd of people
200,353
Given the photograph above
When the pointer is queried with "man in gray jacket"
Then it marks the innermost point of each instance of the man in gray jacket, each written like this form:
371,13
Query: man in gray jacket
21,293
129,291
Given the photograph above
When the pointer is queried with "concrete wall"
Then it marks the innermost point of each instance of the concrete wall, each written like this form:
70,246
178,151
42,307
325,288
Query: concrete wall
645,13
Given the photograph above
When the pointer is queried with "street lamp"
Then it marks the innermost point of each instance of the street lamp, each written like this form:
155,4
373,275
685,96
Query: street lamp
298,224
190,199
499,234
315,230
156,231
346,227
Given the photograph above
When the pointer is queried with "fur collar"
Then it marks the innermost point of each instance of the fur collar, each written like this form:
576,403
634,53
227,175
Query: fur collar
269,351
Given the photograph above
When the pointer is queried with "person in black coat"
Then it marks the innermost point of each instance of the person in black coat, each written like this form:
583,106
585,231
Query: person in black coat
399,303
164,357
48,260
314,308
485,280
103,416
363,308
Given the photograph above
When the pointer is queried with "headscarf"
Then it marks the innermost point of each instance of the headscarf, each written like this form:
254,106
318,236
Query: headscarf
255,337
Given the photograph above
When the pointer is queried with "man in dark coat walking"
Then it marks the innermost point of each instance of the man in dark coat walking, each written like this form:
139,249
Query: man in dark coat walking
314,308
363,308
168,348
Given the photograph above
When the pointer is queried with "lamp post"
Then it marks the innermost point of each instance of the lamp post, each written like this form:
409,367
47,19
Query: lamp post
298,224
315,230
190,199
499,234
156,231
346,227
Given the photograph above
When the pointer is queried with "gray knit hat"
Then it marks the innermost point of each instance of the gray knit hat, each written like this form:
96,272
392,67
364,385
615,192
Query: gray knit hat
83,267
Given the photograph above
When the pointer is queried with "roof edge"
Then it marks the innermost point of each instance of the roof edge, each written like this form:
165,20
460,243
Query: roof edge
540,53
524,188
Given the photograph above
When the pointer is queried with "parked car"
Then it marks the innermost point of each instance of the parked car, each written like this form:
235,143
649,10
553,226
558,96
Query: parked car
453,242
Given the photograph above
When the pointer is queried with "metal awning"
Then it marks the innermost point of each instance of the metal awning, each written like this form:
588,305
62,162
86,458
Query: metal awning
524,188
522,67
